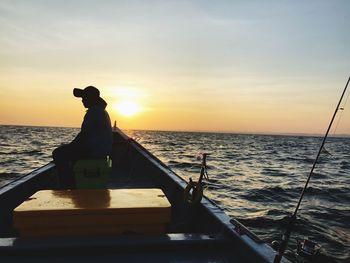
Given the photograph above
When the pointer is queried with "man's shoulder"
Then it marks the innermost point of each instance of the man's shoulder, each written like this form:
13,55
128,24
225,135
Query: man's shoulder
95,110
96,113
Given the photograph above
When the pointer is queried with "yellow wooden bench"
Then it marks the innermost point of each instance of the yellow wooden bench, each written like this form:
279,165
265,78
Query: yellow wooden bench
93,212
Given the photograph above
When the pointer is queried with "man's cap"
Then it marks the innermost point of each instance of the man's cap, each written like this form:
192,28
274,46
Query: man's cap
88,92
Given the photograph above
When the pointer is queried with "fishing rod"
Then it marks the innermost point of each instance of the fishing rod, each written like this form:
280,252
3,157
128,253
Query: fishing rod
286,235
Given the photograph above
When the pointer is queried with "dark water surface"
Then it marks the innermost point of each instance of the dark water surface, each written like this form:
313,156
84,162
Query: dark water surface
254,178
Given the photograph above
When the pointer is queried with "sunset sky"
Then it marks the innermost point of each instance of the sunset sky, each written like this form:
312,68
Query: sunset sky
229,66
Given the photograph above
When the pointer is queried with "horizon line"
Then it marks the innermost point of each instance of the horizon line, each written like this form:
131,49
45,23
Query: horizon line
198,131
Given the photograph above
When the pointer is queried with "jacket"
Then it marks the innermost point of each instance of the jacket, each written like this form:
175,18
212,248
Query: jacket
95,136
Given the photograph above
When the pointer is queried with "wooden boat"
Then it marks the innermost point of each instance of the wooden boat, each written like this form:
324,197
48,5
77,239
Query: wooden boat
195,233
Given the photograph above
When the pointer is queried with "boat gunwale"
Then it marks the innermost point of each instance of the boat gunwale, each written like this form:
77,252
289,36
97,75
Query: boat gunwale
231,225
27,177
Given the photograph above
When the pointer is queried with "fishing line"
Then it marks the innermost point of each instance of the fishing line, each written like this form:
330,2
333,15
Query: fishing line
341,113
286,235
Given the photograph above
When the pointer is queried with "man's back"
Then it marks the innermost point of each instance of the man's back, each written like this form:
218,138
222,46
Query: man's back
97,132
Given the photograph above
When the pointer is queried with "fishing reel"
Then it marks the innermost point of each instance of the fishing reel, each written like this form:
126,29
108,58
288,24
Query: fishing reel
307,251
194,190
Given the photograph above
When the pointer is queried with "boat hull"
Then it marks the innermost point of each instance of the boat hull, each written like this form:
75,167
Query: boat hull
201,233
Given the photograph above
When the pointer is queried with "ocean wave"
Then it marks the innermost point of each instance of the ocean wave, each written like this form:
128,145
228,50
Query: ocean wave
31,152
336,195
8,175
318,175
270,194
182,165
345,165
267,222
273,172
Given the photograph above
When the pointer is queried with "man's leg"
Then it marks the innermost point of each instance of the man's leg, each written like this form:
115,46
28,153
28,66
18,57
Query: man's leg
64,157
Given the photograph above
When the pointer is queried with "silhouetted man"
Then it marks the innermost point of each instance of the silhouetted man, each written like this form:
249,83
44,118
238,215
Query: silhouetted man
93,141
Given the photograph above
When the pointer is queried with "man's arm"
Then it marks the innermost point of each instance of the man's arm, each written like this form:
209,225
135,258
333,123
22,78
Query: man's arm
82,135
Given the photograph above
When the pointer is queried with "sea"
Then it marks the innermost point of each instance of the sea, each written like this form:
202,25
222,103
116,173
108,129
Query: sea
255,178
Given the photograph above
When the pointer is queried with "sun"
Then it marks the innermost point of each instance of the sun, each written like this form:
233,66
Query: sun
127,108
